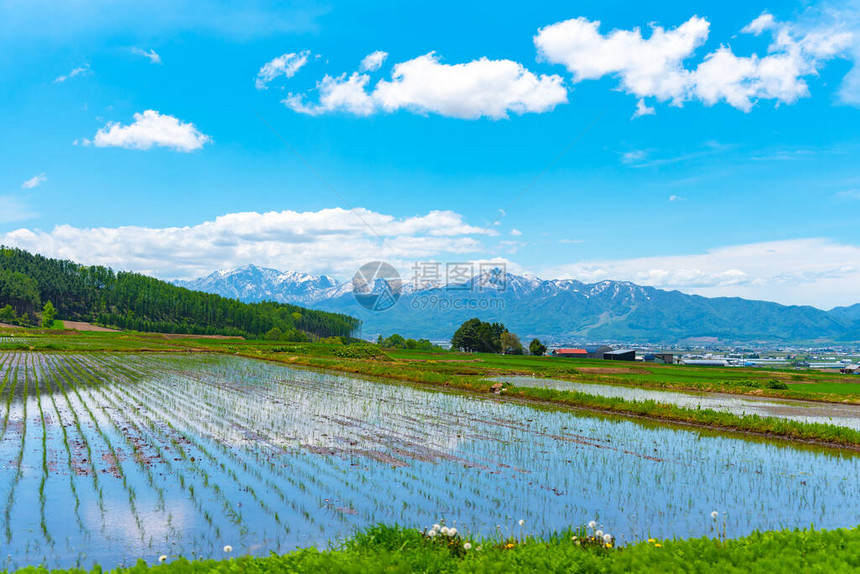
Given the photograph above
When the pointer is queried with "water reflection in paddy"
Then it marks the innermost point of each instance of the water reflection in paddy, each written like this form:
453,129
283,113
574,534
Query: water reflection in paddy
804,411
148,455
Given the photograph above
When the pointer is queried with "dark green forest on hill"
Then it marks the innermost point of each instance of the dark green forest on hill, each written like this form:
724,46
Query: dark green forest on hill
134,301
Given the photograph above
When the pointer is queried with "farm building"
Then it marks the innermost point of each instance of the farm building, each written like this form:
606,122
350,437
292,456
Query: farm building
620,355
661,358
576,353
597,351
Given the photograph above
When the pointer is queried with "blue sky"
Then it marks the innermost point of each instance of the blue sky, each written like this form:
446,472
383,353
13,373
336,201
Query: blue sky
157,139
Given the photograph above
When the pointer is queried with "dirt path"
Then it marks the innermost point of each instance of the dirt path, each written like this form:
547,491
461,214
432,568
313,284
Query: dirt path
81,326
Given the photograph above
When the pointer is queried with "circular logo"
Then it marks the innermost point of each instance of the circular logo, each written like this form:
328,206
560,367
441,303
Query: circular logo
376,286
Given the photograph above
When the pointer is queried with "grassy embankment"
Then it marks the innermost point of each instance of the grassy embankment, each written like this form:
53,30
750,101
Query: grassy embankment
449,370
391,549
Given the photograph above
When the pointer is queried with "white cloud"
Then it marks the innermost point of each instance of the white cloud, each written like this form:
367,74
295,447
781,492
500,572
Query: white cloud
345,94
674,198
15,208
481,88
643,110
72,74
845,14
516,232
151,129
848,194
656,66
799,271
764,22
633,156
849,91
154,58
646,67
34,181
286,65
373,61
329,241
793,55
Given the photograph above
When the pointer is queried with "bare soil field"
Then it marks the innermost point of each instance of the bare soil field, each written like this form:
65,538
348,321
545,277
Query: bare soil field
82,326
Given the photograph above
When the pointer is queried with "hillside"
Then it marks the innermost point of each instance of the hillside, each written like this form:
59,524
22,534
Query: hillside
139,302
557,310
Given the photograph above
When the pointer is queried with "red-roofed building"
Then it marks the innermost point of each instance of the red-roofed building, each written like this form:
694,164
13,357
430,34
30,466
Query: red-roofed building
577,353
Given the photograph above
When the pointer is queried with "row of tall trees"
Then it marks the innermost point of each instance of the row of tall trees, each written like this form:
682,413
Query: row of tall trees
20,293
142,303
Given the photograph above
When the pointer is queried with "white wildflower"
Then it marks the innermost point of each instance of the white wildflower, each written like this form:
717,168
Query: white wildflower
228,549
522,522
467,546
607,538
714,514
592,524
162,558
452,531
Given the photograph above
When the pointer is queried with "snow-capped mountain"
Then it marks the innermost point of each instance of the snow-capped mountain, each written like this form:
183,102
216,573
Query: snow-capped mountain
562,310
250,283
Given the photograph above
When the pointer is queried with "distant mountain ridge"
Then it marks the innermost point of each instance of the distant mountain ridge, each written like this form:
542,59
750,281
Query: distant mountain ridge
252,283
556,310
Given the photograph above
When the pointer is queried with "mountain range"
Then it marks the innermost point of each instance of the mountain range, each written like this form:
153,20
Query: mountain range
556,310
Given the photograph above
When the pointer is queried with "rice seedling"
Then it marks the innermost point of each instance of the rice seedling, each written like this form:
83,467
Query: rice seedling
189,454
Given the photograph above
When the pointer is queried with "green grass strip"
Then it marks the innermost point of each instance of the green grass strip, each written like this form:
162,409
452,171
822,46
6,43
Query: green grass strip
394,550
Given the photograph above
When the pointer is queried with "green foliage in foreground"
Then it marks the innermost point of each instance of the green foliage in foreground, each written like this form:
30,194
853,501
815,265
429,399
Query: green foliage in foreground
393,549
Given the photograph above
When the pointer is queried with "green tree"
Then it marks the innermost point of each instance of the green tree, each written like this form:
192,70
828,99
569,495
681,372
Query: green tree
273,334
511,344
8,315
475,336
425,345
395,341
48,315
537,348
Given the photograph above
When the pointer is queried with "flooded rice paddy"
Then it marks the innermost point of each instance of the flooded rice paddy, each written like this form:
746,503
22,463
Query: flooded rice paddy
845,415
110,458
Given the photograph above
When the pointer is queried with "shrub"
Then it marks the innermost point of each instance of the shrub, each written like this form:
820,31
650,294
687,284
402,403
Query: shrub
751,383
359,352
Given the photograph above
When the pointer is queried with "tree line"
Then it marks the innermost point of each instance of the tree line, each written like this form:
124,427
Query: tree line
476,336
134,301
